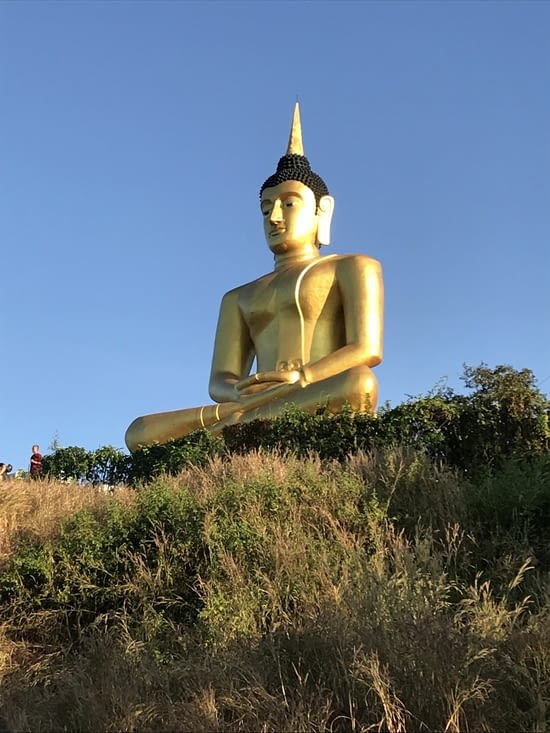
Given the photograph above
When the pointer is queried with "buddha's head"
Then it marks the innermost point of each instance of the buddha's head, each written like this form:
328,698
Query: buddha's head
295,202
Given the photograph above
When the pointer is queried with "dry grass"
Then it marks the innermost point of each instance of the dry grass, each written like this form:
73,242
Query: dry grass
37,508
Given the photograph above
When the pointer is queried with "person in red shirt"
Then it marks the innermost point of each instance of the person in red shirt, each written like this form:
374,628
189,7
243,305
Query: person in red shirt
36,462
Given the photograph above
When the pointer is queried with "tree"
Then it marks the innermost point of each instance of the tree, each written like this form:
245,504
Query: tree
505,415
67,463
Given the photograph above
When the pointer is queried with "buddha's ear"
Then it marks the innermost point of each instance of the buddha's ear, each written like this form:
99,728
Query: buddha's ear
325,210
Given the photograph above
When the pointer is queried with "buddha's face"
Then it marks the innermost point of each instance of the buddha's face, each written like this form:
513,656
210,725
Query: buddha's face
290,217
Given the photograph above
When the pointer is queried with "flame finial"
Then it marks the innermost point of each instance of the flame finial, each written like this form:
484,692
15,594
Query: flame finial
295,139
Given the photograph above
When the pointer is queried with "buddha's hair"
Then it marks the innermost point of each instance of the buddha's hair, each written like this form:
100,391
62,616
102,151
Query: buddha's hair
294,167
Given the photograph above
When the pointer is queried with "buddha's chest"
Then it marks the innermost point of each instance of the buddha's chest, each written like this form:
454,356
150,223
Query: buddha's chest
298,295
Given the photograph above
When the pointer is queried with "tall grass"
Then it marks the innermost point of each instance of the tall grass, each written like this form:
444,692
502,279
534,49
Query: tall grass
268,593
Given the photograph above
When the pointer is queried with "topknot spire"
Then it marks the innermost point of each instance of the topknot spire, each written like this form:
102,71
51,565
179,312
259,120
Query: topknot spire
294,166
295,145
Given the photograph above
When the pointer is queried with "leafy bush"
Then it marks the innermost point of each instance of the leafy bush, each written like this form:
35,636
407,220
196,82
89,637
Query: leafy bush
108,466
150,462
505,416
72,463
112,557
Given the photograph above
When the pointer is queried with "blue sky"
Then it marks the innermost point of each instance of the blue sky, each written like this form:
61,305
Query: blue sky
134,137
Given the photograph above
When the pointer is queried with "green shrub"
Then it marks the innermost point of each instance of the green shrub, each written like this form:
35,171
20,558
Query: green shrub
100,561
72,463
504,416
104,466
150,462
108,466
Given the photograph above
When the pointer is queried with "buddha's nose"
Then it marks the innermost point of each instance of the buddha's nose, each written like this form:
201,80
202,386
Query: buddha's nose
276,212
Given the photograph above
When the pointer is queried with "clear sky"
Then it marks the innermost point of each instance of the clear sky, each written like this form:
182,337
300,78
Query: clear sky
134,137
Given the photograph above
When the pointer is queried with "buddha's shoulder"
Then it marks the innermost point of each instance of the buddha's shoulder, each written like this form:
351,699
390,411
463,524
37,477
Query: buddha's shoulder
354,261
249,287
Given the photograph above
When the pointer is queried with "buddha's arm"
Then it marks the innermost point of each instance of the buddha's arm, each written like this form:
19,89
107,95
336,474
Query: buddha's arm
361,289
233,351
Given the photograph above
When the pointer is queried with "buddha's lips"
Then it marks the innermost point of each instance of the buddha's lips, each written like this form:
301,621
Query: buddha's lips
274,232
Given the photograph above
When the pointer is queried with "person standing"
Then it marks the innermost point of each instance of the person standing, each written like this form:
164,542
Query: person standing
36,462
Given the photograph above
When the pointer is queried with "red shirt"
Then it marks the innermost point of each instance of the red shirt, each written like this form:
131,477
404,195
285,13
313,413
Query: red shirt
36,462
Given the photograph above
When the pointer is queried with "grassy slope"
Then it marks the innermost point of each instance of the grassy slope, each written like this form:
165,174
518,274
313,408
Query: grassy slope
270,593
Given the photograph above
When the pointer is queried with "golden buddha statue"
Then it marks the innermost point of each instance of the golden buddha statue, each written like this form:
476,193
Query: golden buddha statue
313,325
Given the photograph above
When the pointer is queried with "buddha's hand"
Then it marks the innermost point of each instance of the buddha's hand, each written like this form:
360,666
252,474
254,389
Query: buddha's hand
265,380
